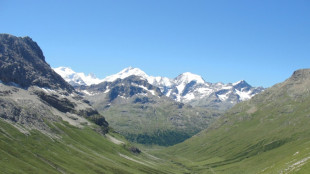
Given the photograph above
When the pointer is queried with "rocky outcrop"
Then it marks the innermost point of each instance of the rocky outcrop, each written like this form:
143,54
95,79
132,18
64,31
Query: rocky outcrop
33,95
22,62
63,104
20,107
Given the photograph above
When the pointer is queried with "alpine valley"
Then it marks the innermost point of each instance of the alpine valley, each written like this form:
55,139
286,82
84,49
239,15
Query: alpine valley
60,121
158,110
48,127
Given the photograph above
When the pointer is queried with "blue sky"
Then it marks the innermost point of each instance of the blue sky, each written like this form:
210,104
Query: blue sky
260,41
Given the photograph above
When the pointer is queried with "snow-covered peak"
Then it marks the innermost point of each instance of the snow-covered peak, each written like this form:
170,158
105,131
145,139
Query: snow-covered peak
75,78
239,82
126,73
64,71
160,81
187,77
187,87
241,85
90,79
184,79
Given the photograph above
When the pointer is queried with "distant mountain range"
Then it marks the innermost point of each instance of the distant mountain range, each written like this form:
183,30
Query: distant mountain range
186,88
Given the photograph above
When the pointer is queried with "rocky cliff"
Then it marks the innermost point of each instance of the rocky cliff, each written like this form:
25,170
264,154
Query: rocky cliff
33,96
22,62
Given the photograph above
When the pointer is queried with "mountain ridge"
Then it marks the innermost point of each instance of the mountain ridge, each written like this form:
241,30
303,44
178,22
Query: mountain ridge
31,91
190,88
22,62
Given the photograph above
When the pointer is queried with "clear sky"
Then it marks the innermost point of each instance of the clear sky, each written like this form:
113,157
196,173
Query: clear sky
260,41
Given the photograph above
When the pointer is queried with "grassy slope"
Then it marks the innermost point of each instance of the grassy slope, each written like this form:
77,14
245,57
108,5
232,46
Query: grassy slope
268,134
162,123
77,151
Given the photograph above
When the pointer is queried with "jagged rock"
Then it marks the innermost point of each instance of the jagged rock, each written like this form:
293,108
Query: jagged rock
63,104
33,95
22,62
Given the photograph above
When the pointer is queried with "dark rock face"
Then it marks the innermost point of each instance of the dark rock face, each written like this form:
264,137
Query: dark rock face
188,87
142,100
22,62
135,150
127,87
243,85
63,105
100,120
124,91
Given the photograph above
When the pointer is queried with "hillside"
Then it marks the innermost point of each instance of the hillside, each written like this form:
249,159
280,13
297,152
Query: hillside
267,134
47,127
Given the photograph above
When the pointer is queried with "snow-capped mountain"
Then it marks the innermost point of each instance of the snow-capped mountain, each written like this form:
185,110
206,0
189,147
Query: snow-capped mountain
130,71
187,87
126,73
77,79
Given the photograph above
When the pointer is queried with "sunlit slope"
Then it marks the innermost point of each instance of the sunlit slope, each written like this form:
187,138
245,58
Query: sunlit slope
267,134
73,150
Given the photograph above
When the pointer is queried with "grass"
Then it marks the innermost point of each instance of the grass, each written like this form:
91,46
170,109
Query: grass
268,134
77,151
273,139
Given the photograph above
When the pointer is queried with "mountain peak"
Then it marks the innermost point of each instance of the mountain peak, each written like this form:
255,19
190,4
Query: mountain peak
301,74
132,70
75,78
23,45
22,62
242,84
188,77
126,73
238,82
64,69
